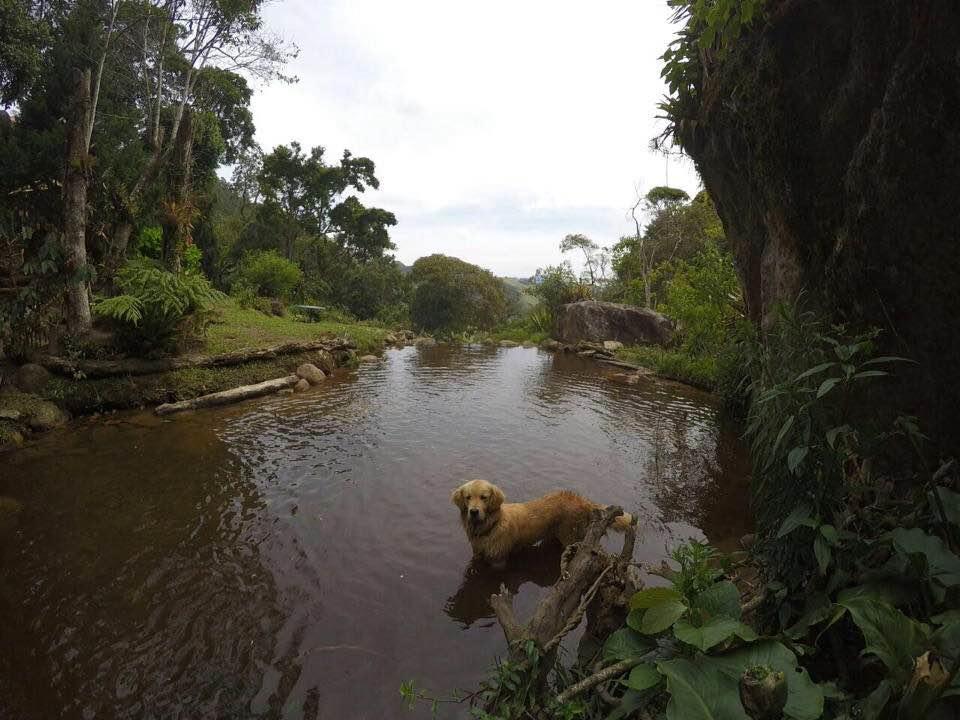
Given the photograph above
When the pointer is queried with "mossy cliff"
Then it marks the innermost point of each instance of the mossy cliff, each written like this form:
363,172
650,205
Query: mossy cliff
829,138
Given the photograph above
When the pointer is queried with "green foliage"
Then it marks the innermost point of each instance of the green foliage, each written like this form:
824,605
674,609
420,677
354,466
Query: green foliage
268,274
157,308
701,372
710,28
452,295
703,298
556,285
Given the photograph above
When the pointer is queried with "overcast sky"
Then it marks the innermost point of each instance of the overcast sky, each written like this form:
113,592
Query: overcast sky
496,127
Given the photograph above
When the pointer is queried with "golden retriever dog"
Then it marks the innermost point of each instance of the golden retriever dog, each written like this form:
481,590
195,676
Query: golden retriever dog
495,528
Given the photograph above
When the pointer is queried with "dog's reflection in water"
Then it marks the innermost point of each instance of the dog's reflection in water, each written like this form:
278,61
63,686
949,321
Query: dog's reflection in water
539,564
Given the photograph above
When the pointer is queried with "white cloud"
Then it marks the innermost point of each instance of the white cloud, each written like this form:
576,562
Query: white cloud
496,127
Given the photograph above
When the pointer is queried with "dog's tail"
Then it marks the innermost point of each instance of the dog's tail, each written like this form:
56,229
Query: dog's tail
621,523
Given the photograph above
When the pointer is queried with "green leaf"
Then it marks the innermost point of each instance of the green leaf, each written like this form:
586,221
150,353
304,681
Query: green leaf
876,701
822,550
625,644
698,691
886,359
653,596
951,503
660,617
804,697
799,516
643,677
784,429
720,599
796,457
818,608
829,533
941,563
870,373
950,616
814,370
889,634
713,632
826,386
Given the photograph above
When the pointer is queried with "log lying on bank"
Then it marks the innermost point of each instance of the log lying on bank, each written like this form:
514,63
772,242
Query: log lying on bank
229,396
140,366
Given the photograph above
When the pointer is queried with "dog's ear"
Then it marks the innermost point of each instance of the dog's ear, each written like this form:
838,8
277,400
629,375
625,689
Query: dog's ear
457,497
496,497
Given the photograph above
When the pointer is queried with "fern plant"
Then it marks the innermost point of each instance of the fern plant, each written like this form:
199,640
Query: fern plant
157,308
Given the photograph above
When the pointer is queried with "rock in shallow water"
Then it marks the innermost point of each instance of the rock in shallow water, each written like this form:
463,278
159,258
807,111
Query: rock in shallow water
32,378
597,322
311,373
369,359
301,385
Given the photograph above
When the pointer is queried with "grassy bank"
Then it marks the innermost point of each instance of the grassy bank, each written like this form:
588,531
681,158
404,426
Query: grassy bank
233,329
237,328
701,372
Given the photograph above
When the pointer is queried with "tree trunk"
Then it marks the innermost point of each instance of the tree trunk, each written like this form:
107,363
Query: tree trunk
177,226
75,207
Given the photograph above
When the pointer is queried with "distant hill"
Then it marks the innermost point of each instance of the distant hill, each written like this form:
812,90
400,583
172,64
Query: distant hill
520,285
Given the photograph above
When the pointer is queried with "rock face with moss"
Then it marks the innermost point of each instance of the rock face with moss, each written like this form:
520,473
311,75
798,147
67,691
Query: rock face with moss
829,138
592,321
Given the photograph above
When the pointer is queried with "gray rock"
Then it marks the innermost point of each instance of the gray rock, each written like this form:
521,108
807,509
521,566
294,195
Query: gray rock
529,344
286,391
424,341
369,359
32,378
595,322
311,373
508,343
302,384
551,345
612,345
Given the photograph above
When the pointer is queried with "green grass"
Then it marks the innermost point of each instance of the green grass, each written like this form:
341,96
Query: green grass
697,371
237,328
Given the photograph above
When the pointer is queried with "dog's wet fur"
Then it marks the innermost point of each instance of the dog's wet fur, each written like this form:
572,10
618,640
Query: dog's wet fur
495,528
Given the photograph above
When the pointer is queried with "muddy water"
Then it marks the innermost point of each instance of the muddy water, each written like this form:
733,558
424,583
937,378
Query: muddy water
299,557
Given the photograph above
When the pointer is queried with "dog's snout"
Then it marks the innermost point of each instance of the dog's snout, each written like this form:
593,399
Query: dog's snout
474,512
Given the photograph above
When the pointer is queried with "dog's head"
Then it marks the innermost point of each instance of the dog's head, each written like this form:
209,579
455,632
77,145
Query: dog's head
478,500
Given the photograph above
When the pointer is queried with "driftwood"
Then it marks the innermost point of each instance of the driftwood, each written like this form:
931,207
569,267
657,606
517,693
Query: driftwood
138,366
586,570
229,396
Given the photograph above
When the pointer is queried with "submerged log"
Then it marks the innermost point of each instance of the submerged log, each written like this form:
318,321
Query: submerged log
229,396
139,366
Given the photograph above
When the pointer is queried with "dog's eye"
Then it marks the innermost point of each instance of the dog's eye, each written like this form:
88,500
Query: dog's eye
483,497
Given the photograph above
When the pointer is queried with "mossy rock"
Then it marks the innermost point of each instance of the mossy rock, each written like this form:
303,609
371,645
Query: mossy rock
34,412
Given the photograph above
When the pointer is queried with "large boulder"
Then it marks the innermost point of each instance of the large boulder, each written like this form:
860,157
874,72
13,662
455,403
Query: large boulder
829,138
594,321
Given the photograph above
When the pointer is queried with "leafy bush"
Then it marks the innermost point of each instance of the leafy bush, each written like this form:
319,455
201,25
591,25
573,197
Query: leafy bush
703,298
157,308
269,274
556,285
452,295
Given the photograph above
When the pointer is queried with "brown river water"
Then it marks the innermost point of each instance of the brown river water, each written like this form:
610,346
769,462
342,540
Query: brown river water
299,557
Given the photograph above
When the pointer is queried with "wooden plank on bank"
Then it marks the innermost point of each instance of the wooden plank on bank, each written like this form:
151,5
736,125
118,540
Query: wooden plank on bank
228,397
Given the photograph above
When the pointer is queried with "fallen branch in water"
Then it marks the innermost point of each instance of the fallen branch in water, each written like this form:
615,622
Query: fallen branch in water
229,396
586,570
608,673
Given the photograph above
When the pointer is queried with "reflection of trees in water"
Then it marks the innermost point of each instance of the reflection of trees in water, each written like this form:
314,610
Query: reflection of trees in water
703,484
539,565
142,582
